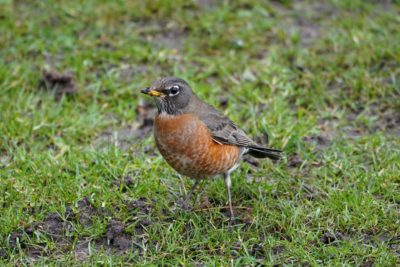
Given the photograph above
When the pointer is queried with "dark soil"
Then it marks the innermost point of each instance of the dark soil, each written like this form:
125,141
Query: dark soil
117,237
294,161
328,238
86,212
122,237
141,205
61,229
61,83
53,225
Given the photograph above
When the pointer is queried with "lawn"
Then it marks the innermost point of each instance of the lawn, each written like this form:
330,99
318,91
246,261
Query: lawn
81,182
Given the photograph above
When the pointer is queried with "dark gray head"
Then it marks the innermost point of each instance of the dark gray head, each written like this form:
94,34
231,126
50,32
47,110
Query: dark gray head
172,94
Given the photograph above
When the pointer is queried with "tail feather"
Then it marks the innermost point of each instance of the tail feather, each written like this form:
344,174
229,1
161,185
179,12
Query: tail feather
263,152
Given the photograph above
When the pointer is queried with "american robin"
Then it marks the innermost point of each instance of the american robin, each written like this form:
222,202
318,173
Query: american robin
195,139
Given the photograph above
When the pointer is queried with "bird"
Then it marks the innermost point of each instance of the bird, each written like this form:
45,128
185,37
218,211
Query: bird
195,139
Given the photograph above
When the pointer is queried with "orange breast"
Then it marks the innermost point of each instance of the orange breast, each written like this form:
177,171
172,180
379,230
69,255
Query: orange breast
186,144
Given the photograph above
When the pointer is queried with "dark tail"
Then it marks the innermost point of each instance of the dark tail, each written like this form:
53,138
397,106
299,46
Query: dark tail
262,152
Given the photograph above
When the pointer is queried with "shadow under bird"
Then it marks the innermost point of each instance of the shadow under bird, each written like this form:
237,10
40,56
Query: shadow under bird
195,139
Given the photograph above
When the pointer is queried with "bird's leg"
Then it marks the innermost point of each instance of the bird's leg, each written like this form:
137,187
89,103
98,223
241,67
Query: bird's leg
228,188
189,195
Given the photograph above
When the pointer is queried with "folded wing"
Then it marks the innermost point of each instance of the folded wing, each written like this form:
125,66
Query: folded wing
224,131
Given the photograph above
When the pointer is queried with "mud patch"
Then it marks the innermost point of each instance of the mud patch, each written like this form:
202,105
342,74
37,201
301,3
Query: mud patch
117,237
82,249
294,161
141,206
61,230
53,225
86,211
328,237
61,83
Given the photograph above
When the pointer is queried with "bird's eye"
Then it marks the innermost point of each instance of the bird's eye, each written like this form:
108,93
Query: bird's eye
174,90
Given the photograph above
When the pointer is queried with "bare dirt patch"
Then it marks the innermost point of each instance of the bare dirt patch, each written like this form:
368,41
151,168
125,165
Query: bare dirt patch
117,237
53,226
328,237
62,231
295,161
86,212
61,83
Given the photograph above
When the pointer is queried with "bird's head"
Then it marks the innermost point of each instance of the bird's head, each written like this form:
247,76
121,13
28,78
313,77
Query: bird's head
172,94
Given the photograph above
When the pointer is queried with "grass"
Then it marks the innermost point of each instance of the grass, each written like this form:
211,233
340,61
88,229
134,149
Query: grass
320,77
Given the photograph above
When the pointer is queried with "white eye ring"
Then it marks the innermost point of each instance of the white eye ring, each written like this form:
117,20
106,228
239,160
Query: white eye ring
173,90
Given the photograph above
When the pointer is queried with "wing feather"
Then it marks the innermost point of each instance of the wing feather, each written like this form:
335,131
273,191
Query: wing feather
223,130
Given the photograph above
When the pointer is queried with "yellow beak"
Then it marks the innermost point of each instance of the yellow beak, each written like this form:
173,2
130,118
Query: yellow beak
150,92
